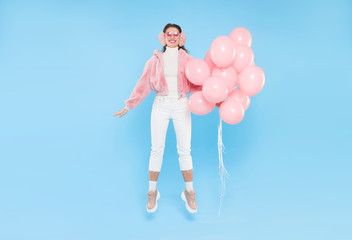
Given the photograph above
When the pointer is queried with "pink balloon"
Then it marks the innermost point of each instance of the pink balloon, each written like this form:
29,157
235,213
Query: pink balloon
239,96
199,105
215,89
251,80
222,51
241,35
197,71
208,60
244,58
228,74
236,95
246,102
231,112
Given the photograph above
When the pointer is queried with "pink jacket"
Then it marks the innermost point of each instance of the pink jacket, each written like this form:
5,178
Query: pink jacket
153,79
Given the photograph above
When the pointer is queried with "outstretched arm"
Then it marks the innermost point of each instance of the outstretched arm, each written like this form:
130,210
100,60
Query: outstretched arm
142,88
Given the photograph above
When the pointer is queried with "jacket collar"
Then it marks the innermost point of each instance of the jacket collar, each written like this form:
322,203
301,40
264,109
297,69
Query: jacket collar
159,53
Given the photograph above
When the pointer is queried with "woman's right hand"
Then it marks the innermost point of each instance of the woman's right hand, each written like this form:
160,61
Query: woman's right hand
121,112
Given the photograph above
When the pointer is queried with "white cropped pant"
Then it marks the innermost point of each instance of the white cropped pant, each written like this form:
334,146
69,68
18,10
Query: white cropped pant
164,109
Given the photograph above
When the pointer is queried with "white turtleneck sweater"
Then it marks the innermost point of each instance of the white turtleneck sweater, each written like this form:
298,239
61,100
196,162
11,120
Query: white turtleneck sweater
170,70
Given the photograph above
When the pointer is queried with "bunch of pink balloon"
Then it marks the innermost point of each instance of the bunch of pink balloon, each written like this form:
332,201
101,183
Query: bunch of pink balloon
227,75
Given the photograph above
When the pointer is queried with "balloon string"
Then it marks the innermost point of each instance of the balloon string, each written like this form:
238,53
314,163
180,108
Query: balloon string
222,171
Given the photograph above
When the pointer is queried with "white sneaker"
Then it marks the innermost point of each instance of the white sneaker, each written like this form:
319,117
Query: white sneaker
152,204
190,199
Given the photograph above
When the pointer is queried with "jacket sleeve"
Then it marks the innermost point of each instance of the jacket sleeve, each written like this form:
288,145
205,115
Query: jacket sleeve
142,88
194,88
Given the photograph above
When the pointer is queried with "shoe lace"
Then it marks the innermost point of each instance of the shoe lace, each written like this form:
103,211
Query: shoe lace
151,195
192,197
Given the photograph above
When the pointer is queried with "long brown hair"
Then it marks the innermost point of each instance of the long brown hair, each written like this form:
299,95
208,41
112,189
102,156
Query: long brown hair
179,29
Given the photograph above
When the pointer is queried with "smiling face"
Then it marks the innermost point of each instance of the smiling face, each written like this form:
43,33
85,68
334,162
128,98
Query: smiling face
172,41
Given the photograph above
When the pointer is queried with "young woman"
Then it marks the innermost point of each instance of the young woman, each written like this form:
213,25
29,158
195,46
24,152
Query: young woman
164,73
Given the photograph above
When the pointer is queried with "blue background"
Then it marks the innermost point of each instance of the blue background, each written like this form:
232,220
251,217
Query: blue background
70,170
